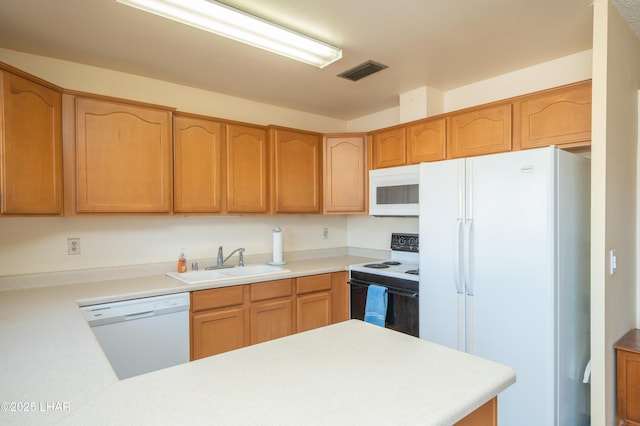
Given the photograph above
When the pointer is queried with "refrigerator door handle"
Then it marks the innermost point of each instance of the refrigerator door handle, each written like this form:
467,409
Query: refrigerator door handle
468,230
462,323
458,266
469,322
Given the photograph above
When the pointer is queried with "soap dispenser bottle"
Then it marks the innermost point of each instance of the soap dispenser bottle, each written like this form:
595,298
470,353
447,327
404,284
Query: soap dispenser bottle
182,262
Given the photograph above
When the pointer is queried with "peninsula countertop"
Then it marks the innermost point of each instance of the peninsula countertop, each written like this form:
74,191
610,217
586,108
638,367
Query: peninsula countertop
54,368
52,363
350,373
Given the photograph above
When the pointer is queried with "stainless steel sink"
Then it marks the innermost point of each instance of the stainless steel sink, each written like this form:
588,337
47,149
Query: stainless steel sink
211,275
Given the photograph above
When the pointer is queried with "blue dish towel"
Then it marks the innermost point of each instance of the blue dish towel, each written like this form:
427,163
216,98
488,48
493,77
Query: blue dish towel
375,310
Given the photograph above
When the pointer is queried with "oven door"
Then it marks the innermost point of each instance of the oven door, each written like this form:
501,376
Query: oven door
402,306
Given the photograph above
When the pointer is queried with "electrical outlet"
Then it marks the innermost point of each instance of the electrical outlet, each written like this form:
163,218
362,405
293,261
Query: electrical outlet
325,233
73,246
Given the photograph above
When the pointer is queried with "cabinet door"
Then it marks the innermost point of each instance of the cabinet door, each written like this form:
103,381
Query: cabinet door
345,172
340,297
313,310
31,147
217,331
123,158
247,169
197,165
389,148
271,319
485,130
426,141
297,171
628,383
556,117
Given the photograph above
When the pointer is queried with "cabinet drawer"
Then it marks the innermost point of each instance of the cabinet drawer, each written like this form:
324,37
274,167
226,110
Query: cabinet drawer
313,283
216,298
270,290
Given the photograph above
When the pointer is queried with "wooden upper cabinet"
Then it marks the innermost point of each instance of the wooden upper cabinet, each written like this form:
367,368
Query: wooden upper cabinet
197,165
555,117
389,148
123,157
484,130
31,147
426,141
296,171
345,171
247,171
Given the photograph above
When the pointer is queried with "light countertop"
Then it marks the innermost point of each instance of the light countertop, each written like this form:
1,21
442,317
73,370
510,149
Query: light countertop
54,369
51,362
349,373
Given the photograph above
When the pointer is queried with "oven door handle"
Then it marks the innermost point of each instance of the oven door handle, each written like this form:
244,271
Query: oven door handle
392,290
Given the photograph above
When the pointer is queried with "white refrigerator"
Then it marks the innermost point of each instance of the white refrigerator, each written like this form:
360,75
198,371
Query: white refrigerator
504,274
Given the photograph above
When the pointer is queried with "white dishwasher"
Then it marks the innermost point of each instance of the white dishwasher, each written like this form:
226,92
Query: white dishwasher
142,335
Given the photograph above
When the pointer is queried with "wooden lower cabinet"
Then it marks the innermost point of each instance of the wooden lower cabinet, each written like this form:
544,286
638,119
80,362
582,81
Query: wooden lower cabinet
271,319
313,310
628,378
313,302
219,320
340,297
217,330
228,318
485,415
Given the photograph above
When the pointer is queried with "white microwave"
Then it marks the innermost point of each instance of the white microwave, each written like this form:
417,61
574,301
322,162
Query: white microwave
394,191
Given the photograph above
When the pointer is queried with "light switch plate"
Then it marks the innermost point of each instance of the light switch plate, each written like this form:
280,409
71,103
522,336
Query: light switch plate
613,262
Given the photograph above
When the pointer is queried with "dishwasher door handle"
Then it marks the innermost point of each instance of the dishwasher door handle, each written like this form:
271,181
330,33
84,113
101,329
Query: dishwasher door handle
139,315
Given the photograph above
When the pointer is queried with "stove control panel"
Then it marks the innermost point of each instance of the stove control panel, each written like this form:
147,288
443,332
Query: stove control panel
405,242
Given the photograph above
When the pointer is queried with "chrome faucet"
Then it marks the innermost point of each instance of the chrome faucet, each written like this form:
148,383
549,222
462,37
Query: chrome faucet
221,259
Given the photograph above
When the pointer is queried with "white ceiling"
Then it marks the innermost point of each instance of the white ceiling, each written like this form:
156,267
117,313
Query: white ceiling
443,44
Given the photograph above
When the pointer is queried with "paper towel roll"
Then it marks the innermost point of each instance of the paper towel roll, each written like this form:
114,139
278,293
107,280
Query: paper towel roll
277,247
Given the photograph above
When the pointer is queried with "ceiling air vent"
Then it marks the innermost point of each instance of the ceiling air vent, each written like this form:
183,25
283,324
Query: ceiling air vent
363,70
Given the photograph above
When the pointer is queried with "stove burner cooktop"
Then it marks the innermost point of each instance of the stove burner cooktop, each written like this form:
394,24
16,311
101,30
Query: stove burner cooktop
376,265
403,262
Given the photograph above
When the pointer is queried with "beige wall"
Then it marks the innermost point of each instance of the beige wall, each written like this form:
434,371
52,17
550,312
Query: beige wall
74,76
40,245
569,69
35,245
616,79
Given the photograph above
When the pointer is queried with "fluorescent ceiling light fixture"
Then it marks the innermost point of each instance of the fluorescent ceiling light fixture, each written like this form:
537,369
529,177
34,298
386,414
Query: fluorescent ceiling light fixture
235,24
